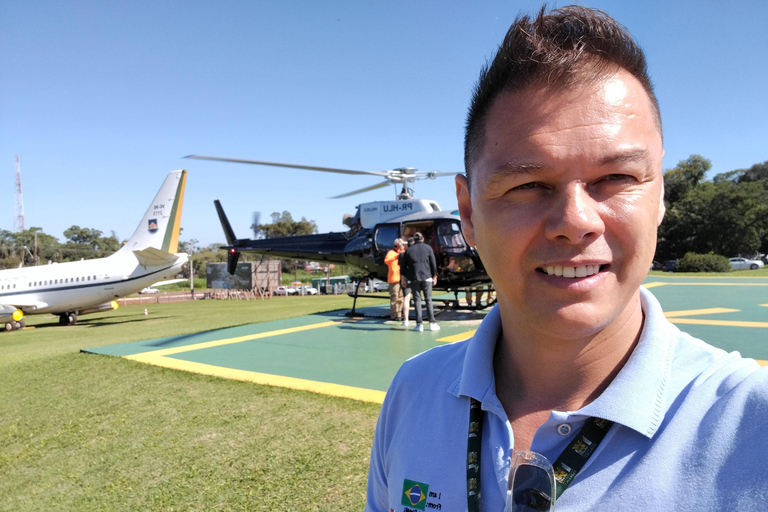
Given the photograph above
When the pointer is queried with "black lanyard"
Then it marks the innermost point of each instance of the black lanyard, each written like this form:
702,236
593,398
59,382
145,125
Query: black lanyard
566,467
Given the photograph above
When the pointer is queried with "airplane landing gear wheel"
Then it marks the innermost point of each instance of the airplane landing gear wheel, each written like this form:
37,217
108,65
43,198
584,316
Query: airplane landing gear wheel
8,326
68,319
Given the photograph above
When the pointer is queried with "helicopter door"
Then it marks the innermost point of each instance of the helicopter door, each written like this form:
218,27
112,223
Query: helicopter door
384,240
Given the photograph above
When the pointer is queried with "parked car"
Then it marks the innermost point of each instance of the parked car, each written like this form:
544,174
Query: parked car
380,286
745,263
669,265
285,290
307,290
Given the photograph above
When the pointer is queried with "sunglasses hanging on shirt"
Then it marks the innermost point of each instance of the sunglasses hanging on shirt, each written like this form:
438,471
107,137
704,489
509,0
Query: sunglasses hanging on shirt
534,483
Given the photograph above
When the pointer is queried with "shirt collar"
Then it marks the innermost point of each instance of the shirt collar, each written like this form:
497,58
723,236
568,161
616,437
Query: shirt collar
637,396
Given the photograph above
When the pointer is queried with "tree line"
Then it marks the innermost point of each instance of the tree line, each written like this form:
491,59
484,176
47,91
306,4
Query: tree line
34,247
727,215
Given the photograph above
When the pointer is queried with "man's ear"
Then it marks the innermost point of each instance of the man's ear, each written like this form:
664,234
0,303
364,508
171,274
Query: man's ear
662,206
465,209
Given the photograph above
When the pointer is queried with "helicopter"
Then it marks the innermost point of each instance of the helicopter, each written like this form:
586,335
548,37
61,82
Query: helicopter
372,231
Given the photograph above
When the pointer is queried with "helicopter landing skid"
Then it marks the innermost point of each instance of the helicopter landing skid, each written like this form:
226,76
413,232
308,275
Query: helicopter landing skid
440,304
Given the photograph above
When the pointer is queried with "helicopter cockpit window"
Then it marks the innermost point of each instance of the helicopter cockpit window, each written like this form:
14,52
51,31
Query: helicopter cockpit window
449,236
385,237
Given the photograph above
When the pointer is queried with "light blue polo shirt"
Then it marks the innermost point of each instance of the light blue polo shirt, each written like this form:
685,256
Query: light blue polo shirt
690,432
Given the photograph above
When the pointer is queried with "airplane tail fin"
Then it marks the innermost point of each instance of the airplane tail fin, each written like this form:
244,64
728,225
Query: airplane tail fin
160,226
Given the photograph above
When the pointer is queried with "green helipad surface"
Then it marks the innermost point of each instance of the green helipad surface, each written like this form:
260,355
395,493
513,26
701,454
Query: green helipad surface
357,357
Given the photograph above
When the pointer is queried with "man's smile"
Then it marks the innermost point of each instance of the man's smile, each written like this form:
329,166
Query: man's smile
571,272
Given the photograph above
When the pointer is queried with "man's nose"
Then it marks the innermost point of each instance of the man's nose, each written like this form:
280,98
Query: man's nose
574,215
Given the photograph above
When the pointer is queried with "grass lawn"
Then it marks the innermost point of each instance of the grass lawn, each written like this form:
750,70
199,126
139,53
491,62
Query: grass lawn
87,432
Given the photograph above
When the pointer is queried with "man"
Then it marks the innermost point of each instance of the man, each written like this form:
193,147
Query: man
420,269
404,286
562,198
393,280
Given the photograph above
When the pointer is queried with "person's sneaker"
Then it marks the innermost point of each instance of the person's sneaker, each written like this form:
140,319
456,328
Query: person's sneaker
405,323
434,327
419,328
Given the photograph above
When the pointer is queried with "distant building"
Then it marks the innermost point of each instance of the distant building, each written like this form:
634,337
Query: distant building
261,276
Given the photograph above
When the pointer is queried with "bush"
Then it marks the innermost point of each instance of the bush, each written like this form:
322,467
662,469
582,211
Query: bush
693,262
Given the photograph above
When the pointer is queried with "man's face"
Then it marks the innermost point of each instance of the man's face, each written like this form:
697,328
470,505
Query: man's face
565,200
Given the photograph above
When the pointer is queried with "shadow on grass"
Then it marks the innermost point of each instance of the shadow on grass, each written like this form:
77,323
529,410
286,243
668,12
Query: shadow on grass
98,322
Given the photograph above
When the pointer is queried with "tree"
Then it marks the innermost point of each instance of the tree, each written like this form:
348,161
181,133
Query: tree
189,246
30,247
86,243
726,216
284,225
685,176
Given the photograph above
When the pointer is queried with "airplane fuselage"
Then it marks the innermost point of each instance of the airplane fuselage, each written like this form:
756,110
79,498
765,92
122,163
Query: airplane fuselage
79,285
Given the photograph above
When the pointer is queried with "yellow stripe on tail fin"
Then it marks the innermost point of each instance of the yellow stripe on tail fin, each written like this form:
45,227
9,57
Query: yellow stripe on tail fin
171,241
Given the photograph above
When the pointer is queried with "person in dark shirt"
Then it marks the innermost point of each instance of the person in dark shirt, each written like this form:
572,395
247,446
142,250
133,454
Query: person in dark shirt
420,269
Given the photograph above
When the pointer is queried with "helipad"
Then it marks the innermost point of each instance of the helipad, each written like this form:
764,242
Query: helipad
357,358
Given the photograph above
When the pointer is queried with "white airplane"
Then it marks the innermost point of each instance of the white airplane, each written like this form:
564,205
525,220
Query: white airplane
87,286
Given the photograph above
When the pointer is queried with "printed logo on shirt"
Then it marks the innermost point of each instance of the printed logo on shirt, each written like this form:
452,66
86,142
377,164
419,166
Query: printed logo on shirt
414,494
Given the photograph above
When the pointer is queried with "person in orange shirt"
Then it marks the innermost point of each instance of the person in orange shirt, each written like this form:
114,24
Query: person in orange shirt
393,279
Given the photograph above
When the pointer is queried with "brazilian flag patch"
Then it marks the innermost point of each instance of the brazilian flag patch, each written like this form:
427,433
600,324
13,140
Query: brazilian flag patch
415,494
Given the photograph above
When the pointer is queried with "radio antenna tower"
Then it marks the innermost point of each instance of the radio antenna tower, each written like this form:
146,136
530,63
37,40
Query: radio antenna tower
18,221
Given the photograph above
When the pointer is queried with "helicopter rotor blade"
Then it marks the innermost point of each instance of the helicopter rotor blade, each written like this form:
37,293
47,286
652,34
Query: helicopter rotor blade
434,174
292,166
366,189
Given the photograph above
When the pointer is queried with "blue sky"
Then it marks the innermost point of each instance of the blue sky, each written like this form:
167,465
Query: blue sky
101,99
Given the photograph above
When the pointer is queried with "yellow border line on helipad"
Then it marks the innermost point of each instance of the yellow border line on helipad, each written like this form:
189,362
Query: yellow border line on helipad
694,312
325,388
160,358
457,337
721,323
229,341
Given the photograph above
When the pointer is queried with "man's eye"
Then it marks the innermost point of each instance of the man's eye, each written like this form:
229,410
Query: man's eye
526,186
616,177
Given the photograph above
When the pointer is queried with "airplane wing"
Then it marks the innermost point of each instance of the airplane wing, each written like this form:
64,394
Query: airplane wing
151,257
170,281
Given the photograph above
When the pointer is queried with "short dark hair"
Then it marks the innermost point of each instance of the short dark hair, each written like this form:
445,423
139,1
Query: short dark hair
572,45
